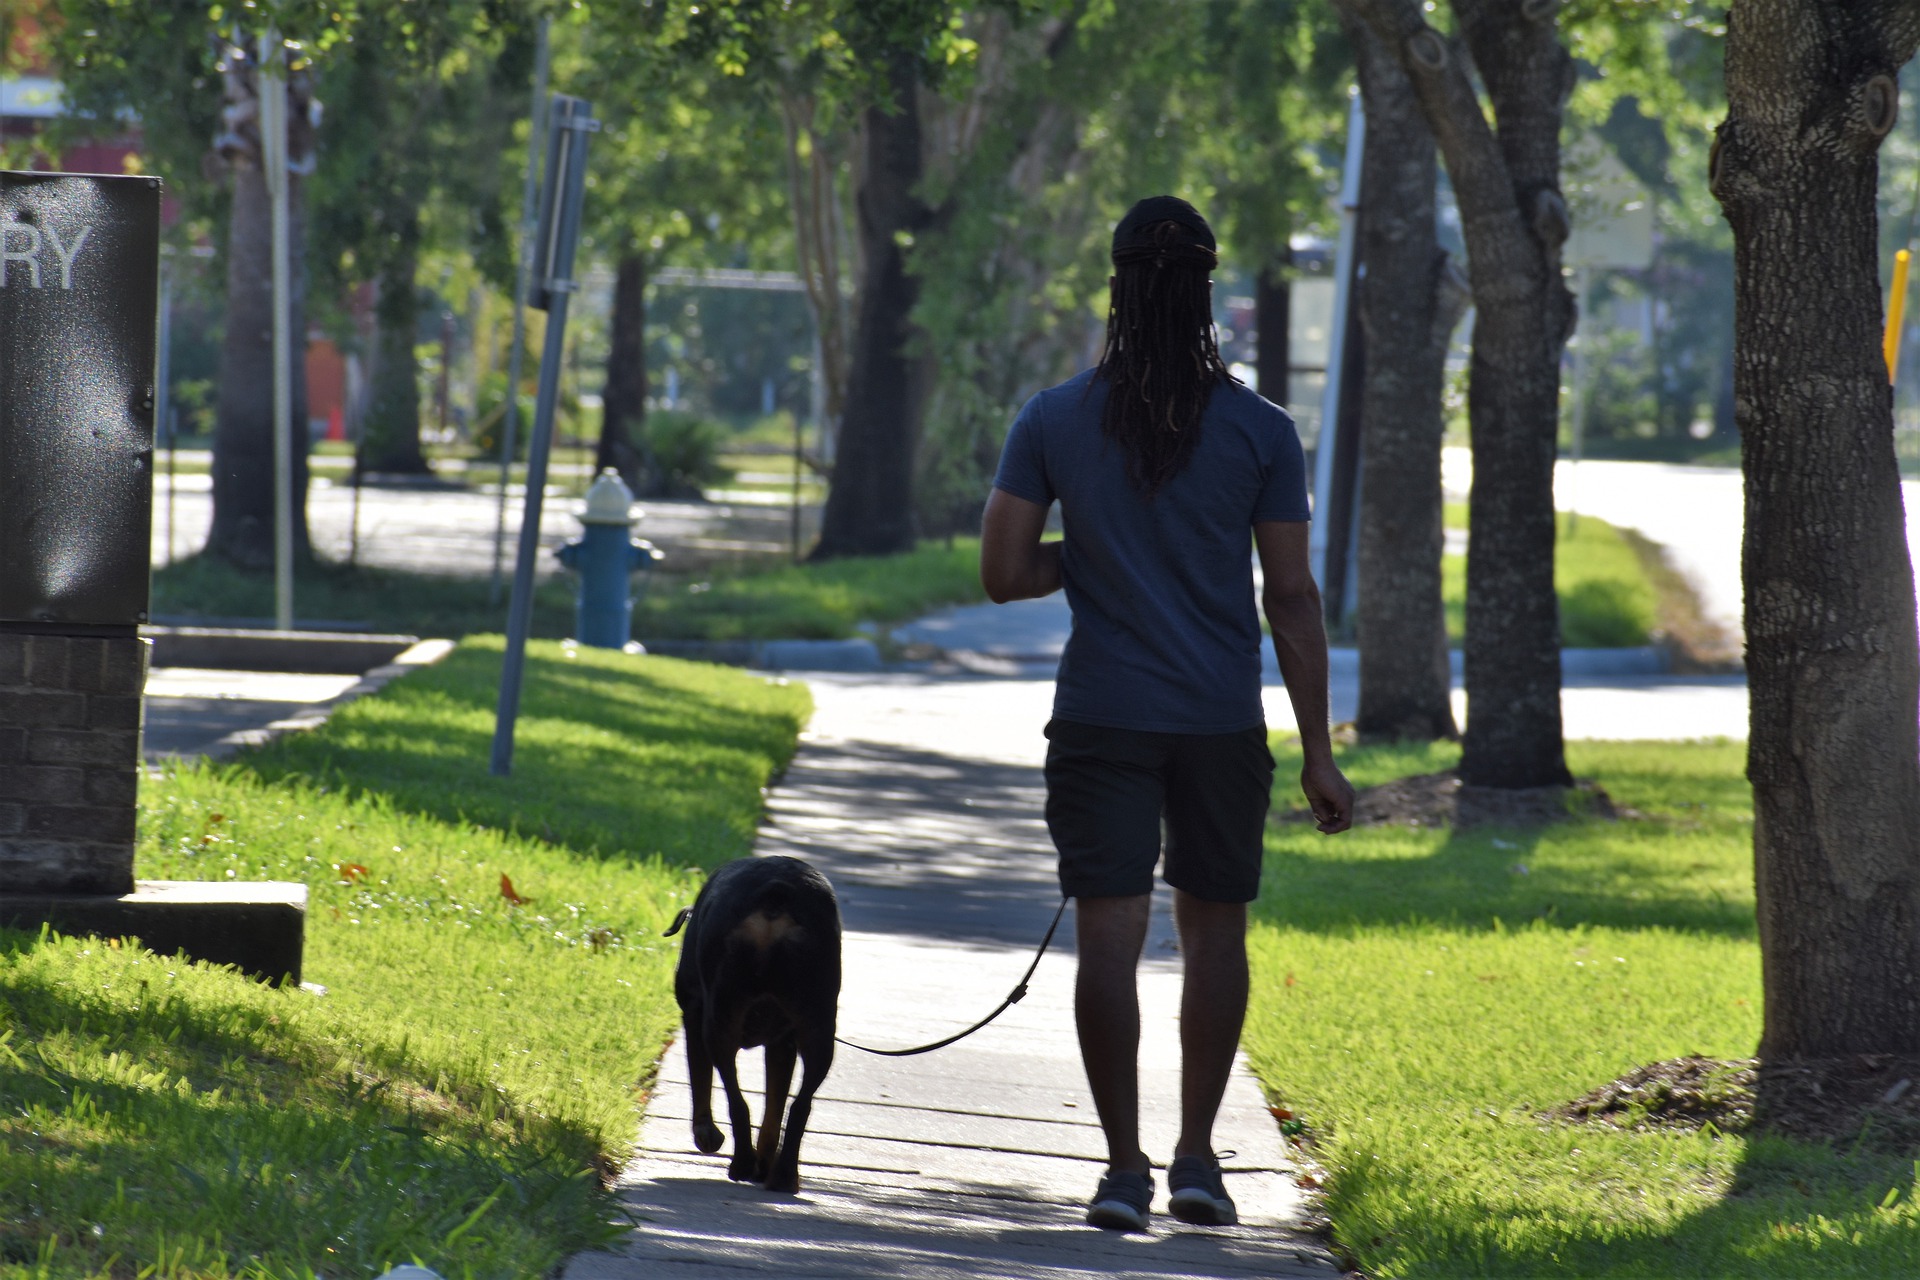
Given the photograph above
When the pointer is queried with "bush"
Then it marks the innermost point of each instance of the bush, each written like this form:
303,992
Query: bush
686,450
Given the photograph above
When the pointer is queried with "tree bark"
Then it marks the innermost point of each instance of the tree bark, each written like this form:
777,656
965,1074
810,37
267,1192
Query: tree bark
243,449
870,499
1515,220
1409,304
623,412
1831,646
390,438
1273,323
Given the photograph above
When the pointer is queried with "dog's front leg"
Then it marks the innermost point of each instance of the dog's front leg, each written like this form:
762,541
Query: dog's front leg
706,1134
725,1047
780,1055
816,1055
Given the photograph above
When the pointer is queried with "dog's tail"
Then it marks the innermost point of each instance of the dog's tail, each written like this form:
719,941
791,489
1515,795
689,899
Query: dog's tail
678,920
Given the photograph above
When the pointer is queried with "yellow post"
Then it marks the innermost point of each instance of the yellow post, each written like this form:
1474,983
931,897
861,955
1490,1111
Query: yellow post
1896,311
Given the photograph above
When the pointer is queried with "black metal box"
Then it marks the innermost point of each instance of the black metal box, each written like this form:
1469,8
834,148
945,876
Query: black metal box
79,298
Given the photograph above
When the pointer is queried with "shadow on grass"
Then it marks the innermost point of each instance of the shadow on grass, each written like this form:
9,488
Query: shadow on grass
1678,858
1477,878
221,1124
614,757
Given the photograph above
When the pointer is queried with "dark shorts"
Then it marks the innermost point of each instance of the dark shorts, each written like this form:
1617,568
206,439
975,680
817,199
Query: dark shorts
1108,791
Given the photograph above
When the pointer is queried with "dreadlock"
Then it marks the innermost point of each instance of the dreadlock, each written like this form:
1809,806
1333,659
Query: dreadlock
1161,359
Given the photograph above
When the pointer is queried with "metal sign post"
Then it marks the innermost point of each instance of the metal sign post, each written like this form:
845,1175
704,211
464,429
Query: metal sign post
569,121
529,255
272,81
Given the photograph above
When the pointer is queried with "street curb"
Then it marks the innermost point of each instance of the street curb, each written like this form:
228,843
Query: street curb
775,655
245,649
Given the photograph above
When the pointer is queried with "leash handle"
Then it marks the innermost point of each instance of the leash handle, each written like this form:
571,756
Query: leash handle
1013,997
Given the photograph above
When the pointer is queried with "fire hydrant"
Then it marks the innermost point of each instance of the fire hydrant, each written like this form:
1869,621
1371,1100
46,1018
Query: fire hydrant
606,559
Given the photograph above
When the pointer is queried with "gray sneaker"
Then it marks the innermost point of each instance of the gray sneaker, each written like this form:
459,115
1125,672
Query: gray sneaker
1197,1193
1121,1202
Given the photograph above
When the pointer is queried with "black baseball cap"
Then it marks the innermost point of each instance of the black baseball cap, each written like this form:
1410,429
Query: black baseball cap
1194,242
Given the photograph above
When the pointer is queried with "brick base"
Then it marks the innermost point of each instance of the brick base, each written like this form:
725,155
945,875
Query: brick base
70,715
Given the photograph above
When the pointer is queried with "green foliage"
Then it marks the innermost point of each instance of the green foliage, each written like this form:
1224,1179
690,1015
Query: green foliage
1421,996
687,449
473,1065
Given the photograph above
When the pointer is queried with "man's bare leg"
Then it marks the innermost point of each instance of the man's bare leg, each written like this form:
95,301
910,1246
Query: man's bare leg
1213,1004
1106,1006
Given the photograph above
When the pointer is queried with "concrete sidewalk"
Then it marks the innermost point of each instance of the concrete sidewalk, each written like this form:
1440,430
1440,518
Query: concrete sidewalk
922,801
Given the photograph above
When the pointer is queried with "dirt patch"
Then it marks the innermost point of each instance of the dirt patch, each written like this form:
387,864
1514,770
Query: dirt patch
1442,800
1868,1099
1680,1093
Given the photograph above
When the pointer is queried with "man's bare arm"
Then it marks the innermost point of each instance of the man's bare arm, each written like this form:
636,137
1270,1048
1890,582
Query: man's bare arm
1291,601
1014,563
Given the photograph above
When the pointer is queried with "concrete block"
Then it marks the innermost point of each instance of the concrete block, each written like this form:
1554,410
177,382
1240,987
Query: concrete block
123,668
43,784
112,786
83,746
258,927
47,662
113,711
39,865
13,818
13,659
13,744
81,822
34,707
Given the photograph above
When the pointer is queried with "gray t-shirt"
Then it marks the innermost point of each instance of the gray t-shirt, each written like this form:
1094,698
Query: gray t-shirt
1166,637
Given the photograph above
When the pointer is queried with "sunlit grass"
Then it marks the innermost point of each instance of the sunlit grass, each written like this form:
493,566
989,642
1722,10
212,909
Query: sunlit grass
1606,600
1422,996
475,1062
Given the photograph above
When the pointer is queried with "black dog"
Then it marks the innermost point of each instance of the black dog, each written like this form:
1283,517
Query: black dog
760,966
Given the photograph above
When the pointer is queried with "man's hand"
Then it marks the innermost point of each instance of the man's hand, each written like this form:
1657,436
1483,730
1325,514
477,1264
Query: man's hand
1329,794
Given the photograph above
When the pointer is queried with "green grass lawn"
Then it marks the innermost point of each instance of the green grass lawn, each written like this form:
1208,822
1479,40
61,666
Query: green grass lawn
1422,996
475,1063
757,601
1606,598
815,601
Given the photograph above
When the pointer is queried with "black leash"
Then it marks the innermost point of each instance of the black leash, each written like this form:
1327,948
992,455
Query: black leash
1013,997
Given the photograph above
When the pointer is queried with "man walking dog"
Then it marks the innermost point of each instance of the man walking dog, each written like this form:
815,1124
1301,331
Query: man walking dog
1164,467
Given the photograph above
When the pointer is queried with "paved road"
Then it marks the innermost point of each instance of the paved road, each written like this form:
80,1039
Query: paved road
449,529
921,798
1697,513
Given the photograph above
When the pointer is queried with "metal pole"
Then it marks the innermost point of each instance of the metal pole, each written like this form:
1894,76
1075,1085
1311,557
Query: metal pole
569,122
272,82
164,392
1320,530
529,217
1582,367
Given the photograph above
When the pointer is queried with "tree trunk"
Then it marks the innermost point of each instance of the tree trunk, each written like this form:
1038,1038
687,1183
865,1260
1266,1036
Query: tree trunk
870,500
1273,325
243,450
390,438
1408,305
623,412
1515,221
1831,661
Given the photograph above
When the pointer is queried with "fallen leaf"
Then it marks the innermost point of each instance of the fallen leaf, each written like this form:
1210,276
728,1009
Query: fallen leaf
349,871
1280,1113
1290,979
216,817
507,891
1306,1180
